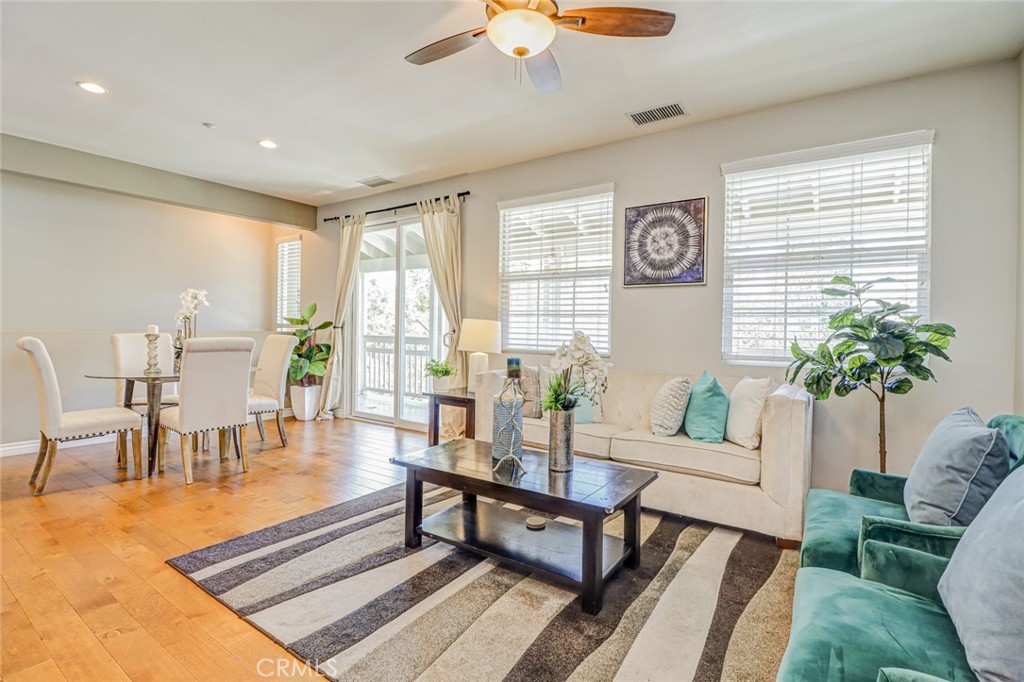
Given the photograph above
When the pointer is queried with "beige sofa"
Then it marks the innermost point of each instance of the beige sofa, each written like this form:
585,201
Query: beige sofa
761,490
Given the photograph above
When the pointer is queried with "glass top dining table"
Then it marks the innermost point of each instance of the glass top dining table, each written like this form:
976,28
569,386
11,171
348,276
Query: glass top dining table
154,395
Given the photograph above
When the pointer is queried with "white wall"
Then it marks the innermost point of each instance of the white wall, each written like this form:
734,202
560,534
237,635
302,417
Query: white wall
79,264
1019,397
974,112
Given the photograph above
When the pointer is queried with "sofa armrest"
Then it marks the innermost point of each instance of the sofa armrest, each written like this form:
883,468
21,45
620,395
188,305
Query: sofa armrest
904,675
937,540
786,452
488,385
904,568
882,487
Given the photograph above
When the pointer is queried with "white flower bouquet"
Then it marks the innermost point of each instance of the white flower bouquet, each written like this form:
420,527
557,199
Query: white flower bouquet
185,318
582,371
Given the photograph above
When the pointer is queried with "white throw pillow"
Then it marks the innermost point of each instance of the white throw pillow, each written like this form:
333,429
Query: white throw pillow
746,402
669,407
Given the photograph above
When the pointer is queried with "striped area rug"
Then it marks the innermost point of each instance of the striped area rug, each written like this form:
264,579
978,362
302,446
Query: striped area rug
339,589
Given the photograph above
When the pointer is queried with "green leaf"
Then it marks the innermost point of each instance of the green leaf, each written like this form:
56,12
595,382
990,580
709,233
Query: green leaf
295,320
318,357
922,373
856,361
843,318
317,369
308,312
299,368
844,348
303,334
830,291
936,351
844,280
845,388
794,369
937,328
324,325
885,347
798,352
938,340
899,386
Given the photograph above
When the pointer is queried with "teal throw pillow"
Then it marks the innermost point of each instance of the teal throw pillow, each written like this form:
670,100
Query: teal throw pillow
960,466
1012,426
584,410
982,587
707,411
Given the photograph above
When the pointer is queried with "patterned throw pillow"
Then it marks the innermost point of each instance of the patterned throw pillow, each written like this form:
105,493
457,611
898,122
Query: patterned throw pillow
669,407
529,381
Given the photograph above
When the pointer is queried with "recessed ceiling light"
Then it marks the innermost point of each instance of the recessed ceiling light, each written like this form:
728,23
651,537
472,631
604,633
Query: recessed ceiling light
94,88
268,144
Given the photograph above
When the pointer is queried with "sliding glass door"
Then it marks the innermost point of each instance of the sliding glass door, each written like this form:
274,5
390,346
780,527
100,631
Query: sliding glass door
399,325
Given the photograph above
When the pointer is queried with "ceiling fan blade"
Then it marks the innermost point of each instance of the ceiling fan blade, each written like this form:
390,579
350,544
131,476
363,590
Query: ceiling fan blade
446,47
627,22
544,73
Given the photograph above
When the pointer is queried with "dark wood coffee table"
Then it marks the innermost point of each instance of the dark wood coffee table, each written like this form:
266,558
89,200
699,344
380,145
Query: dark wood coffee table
584,557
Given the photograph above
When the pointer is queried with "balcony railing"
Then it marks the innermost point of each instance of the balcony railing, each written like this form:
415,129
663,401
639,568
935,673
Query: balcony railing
379,364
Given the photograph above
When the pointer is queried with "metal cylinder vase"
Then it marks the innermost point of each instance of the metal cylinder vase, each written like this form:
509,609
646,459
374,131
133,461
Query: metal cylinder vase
560,439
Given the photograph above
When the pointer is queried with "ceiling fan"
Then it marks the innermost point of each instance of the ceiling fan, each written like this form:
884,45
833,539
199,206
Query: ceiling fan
525,29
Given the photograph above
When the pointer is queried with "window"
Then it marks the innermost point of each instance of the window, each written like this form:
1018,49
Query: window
792,221
555,268
289,280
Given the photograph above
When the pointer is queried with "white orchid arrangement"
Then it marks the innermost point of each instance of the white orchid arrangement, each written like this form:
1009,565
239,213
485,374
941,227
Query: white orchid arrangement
591,373
191,301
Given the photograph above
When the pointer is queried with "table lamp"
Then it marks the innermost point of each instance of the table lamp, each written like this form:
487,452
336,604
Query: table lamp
479,337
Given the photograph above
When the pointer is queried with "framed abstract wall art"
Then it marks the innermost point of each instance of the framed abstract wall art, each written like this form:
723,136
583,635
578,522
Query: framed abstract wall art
665,243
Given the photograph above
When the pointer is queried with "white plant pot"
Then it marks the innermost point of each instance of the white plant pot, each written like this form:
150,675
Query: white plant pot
441,383
305,402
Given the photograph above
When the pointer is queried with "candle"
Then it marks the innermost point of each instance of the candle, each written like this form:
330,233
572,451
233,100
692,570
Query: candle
152,329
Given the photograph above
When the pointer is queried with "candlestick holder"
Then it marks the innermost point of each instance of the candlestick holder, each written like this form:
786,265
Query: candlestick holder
152,367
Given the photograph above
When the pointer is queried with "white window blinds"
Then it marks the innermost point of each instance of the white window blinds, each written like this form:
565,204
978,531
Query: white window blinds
861,210
289,280
555,267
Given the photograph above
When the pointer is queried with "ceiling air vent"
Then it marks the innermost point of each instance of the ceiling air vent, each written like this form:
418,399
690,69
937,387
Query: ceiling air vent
375,181
647,116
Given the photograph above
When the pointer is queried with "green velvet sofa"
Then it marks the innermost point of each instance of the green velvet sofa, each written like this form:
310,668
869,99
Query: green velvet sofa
834,522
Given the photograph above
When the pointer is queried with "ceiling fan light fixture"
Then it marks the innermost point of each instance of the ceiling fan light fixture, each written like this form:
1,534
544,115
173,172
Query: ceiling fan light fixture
521,32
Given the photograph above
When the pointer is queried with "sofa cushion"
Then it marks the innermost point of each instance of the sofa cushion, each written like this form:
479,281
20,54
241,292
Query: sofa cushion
529,382
960,466
708,410
1012,426
593,440
983,589
845,629
681,454
669,406
746,402
832,522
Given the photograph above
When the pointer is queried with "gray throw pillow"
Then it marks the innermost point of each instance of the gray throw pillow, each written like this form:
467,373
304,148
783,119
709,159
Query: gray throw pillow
669,406
983,586
960,466
529,382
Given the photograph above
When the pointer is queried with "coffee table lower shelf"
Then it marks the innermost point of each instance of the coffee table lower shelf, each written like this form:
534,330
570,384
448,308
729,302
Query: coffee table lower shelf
500,533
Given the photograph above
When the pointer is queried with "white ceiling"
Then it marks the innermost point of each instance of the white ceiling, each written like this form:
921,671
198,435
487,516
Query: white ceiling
328,81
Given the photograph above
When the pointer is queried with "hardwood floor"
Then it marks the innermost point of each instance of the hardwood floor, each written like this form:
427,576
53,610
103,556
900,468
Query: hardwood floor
85,592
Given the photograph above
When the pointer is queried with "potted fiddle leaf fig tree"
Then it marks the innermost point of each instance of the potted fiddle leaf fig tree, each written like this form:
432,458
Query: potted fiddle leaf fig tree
872,344
308,364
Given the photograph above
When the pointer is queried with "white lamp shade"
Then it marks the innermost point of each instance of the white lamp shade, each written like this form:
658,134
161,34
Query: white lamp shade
521,32
483,336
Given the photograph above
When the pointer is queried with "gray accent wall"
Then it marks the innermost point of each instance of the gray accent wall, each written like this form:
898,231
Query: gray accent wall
975,243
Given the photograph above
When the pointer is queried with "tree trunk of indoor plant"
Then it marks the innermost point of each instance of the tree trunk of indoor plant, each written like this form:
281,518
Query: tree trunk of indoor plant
881,432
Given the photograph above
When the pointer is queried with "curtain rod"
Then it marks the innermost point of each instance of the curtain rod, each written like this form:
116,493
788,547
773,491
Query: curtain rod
461,196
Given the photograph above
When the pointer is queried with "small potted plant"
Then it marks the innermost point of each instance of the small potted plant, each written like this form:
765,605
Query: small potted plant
441,374
308,364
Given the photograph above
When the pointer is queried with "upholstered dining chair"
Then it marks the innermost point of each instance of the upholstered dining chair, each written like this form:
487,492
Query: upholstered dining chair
130,356
213,395
57,426
267,394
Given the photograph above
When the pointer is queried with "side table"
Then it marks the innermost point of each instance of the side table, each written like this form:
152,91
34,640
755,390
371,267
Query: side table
456,397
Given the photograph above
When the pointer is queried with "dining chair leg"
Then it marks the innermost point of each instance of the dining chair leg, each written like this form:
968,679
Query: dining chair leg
40,458
245,448
206,441
238,448
259,425
280,428
223,443
137,452
161,449
186,458
195,442
51,454
117,451
122,450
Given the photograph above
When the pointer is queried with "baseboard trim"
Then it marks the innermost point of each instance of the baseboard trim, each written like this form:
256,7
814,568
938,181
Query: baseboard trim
26,447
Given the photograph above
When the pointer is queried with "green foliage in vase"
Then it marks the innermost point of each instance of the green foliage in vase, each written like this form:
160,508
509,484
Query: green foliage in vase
439,368
309,359
872,344
561,394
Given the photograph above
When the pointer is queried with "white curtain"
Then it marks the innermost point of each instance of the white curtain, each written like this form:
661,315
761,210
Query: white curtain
350,239
442,233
